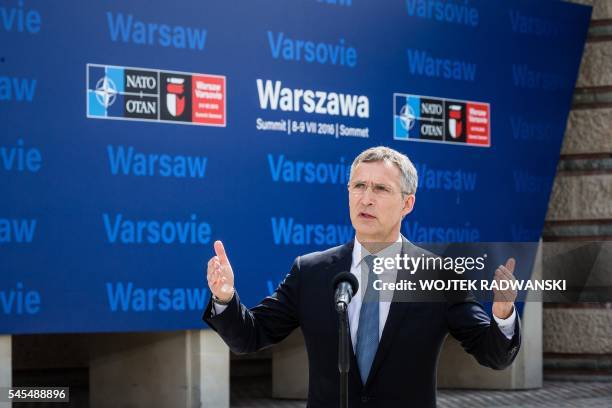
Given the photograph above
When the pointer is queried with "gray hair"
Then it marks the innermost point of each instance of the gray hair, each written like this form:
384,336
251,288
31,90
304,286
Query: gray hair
409,178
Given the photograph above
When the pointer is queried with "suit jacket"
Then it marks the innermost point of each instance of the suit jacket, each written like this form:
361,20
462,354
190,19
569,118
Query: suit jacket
403,373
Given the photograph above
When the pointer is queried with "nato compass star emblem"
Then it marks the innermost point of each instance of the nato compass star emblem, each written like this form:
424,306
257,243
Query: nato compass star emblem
407,117
106,91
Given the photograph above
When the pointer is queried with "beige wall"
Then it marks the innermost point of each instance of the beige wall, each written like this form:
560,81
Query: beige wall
580,207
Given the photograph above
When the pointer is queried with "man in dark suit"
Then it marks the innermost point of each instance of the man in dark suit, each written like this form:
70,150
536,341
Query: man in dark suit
395,344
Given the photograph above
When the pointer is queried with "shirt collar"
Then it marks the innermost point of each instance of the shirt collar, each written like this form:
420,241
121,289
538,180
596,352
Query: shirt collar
360,252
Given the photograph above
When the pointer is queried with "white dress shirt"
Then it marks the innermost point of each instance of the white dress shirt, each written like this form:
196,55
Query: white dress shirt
359,252
389,275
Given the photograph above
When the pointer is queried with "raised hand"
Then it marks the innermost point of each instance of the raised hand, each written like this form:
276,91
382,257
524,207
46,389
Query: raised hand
503,300
220,275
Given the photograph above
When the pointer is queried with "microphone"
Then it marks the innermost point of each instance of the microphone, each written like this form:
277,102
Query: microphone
346,285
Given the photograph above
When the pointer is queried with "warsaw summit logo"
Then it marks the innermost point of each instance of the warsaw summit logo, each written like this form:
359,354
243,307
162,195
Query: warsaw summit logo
152,95
428,119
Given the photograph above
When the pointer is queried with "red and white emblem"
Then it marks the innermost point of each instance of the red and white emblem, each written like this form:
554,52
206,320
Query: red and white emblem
175,98
455,124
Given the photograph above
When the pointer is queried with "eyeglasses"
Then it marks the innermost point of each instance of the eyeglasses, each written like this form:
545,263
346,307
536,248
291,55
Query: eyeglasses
358,188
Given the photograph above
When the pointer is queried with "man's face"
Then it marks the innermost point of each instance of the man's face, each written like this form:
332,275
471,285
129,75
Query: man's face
376,203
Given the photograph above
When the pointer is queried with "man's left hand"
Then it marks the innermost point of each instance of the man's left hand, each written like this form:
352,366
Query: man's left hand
503,300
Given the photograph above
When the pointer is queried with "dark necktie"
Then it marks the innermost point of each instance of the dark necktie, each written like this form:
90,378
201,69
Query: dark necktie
367,331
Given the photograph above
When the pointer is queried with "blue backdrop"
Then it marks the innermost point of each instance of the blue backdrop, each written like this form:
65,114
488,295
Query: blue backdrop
134,134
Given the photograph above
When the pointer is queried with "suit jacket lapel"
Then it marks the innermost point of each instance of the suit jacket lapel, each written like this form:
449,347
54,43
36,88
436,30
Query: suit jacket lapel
342,263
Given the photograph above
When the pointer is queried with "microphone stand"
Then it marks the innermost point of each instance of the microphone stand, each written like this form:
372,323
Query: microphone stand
344,361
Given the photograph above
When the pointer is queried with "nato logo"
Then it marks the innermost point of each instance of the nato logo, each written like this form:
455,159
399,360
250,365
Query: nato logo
407,110
105,91
143,94
441,120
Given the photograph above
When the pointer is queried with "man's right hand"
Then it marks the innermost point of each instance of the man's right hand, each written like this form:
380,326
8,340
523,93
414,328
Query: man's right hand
220,275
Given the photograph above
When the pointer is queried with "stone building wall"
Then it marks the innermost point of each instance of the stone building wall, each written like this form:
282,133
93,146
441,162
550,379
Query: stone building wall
579,336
